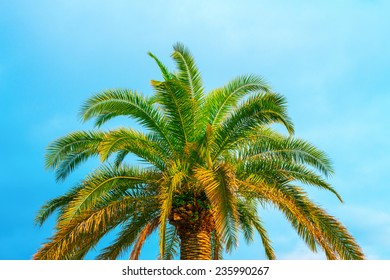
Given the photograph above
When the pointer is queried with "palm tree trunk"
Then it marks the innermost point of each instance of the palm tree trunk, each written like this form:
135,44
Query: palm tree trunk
195,245
194,226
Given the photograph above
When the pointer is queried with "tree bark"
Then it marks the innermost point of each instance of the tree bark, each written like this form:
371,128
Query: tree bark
195,246
194,226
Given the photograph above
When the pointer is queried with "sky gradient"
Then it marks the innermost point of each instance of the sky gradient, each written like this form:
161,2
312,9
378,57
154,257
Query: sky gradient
331,60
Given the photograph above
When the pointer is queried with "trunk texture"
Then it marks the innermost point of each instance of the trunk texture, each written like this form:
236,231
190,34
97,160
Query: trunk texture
195,246
194,225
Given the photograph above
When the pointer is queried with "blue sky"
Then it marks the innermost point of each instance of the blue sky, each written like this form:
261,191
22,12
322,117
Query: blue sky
330,59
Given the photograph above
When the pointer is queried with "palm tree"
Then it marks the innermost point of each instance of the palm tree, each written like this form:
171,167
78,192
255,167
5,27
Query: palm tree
209,162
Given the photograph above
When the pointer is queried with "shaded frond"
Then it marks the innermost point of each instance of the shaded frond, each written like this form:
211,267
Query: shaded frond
120,157
250,221
257,224
244,211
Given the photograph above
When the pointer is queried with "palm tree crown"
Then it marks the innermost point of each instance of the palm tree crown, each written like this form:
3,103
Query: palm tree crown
211,159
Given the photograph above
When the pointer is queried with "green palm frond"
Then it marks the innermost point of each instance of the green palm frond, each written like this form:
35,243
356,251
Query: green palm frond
283,171
66,153
188,73
120,157
58,203
164,70
103,184
269,251
221,102
146,146
191,81
250,221
274,146
177,105
258,111
172,243
70,163
123,102
245,223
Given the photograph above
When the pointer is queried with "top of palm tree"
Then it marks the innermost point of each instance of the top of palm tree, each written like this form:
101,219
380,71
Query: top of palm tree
212,160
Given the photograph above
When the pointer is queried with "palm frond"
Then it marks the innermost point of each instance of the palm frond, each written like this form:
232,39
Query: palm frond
55,204
146,231
146,146
293,205
256,112
306,218
245,209
337,235
130,231
219,185
222,101
250,221
86,229
177,105
190,80
256,221
268,145
172,243
188,72
164,70
171,181
120,157
100,186
123,102
273,170
216,246
66,153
